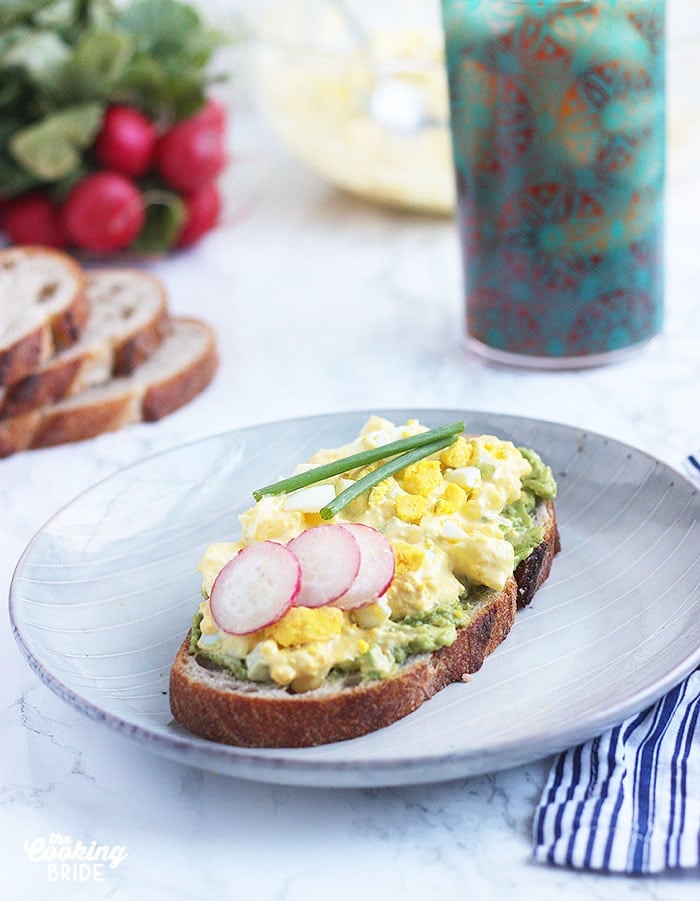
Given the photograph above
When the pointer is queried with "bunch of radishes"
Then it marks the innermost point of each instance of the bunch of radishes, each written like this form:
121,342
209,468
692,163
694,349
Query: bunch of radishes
134,166
346,566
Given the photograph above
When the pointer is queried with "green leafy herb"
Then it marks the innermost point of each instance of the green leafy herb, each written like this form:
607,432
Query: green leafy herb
383,472
13,12
39,53
98,62
363,458
63,62
173,35
50,149
165,215
170,31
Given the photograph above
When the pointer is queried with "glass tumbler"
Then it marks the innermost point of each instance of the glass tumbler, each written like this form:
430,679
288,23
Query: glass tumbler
558,134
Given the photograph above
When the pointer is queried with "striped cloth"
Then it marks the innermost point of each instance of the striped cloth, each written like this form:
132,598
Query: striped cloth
692,463
629,800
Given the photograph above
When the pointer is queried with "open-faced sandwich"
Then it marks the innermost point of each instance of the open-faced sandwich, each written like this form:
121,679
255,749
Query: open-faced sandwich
374,576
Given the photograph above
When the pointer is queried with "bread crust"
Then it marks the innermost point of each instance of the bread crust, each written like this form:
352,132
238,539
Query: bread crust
41,387
78,424
78,419
214,704
16,433
67,327
59,330
169,395
228,710
532,572
65,374
139,347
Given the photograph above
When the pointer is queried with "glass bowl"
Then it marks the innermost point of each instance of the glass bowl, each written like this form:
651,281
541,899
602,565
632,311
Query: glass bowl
357,91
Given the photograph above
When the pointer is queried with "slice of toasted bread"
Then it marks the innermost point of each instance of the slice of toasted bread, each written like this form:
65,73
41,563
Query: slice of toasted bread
212,703
43,308
127,321
534,569
177,371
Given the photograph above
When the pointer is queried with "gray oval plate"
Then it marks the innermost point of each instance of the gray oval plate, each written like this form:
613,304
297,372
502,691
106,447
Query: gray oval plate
104,593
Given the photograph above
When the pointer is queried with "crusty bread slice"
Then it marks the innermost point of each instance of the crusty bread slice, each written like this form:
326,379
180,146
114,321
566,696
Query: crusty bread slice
42,308
178,370
212,703
534,569
127,321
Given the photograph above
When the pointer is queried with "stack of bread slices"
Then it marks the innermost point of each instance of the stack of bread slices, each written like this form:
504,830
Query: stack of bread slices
87,351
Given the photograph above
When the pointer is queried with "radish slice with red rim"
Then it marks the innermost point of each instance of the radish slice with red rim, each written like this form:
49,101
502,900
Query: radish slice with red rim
255,589
376,571
329,557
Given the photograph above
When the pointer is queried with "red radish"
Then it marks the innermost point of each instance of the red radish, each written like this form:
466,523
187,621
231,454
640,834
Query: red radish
255,589
192,153
329,557
214,112
376,571
104,212
203,209
126,142
33,218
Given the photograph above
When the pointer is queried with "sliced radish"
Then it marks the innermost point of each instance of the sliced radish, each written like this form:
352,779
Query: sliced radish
255,589
376,571
329,557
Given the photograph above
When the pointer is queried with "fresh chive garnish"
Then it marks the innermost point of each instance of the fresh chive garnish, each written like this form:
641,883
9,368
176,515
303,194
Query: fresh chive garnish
364,458
383,472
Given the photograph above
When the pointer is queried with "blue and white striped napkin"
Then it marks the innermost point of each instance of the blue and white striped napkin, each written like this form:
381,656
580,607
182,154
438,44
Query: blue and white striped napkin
629,800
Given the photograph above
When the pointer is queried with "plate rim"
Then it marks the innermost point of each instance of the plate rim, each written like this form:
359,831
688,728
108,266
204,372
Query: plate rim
266,764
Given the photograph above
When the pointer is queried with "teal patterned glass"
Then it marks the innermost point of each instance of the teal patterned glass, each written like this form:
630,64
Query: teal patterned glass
557,113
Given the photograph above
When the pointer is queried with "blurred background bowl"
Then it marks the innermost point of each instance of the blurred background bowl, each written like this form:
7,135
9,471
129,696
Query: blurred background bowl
357,91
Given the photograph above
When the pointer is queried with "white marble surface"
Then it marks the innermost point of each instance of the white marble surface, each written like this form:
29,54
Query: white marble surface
321,303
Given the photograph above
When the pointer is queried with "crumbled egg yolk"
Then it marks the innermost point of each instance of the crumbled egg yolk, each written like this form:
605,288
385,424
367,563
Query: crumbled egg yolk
408,556
422,478
379,493
300,649
420,576
411,507
302,625
458,454
442,516
452,499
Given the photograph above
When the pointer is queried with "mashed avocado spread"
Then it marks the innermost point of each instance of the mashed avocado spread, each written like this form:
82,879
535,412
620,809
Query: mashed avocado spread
459,523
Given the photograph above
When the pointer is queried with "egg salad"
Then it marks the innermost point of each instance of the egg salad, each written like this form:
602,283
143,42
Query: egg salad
459,521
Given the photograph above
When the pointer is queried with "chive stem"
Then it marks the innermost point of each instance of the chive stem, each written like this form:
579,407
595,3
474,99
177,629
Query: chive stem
363,458
383,472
